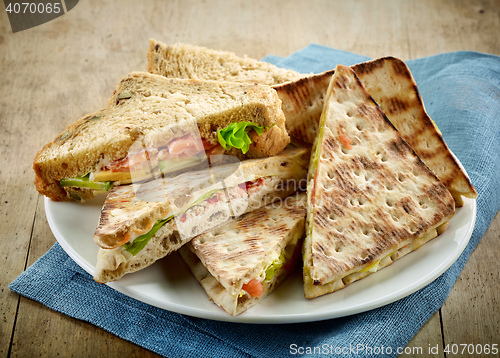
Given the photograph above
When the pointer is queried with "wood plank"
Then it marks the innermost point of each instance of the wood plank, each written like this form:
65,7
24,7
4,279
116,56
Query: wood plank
18,197
444,26
471,314
43,332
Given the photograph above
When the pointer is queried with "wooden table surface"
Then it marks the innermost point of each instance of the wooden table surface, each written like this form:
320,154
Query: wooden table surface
57,72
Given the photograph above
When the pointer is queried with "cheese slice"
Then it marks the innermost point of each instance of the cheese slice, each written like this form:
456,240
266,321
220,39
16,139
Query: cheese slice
108,175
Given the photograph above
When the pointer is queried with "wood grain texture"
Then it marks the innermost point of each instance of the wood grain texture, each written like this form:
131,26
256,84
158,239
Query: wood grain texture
62,70
474,299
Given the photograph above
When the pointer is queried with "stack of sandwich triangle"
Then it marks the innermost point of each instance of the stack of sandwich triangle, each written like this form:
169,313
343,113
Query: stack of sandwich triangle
380,181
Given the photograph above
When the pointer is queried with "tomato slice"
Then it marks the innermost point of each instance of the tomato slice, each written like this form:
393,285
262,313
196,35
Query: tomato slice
254,184
346,141
121,165
182,147
254,288
214,199
186,145
132,160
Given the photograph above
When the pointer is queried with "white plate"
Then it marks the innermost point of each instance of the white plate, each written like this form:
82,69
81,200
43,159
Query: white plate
168,283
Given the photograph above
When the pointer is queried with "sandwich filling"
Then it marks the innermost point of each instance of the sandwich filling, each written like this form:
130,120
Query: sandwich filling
245,190
282,264
180,153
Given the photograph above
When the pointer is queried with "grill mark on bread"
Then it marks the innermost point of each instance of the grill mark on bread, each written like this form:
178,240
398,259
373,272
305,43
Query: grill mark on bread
407,205
396,105
320,218
248,222
451,178
367,163
399,67
368,67
399,147
303,103
329,145
342,83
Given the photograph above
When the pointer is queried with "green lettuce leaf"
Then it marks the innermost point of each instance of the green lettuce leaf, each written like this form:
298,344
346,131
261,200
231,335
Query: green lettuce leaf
85,182
139,243
275,266
236,135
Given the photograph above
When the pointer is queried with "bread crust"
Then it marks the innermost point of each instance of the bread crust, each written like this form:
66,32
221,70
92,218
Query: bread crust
196,62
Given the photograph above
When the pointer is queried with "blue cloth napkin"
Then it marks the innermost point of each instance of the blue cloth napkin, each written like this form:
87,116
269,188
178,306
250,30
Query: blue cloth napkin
461,91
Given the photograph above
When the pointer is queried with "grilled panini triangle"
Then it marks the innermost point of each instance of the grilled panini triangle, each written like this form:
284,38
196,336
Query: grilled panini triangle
370,197
225,259
133,209
185,207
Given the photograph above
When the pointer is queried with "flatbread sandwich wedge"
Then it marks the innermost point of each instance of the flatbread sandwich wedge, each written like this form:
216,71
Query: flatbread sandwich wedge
242,262
155,125
143,222
370,199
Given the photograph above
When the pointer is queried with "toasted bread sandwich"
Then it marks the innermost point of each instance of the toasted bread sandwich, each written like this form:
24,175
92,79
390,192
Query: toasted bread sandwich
197,62
150,124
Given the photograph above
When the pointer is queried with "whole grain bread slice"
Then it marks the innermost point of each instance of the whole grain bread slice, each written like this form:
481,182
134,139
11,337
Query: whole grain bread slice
151,109
196,62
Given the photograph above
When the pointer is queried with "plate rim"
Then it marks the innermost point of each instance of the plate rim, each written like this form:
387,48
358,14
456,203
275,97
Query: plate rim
247,317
